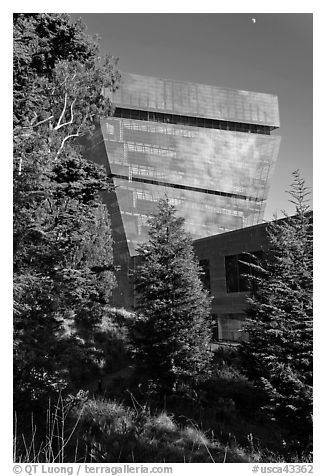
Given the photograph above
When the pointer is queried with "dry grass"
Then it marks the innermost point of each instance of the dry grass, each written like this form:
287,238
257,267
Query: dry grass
100,430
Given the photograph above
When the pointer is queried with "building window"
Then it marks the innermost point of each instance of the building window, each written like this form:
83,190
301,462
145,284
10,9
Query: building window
205,275
215,328
162,117
230,328
236,269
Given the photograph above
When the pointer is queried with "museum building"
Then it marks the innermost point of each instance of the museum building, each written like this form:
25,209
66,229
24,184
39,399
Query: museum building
212,152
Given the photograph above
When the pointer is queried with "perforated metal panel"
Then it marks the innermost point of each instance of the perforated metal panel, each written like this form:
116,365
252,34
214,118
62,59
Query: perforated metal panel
218,180
198,100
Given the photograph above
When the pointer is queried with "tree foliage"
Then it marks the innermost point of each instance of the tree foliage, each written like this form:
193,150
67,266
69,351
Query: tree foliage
174,326
279,317
62,243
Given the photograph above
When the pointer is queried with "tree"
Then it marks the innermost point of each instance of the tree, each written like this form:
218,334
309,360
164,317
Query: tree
63,273
174,324
278,355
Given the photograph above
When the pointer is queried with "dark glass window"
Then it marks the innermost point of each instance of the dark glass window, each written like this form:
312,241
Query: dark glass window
205,275
215,330
190,121
236,269
231,274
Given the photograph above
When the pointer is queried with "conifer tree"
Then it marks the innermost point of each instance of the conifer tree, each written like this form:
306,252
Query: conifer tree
174,324
278,355
62,241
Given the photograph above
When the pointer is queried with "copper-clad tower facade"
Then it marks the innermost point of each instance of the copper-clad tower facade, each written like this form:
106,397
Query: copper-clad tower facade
209,149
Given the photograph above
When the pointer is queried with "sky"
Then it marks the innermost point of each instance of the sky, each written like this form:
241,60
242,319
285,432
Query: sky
271,55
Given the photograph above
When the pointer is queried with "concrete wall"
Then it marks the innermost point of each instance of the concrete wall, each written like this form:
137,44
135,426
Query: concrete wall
228,308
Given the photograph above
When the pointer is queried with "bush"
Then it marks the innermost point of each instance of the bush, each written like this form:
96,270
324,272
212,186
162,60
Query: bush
112,338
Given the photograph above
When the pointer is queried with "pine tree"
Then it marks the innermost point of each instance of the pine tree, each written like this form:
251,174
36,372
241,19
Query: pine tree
278,355
63,274
174,325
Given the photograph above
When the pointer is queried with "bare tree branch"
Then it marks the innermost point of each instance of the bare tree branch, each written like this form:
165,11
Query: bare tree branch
39,123
50,205
57,127
65,80
20,165
64,141
62,113
34,118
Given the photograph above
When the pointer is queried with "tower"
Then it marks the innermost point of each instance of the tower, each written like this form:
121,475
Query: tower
208,149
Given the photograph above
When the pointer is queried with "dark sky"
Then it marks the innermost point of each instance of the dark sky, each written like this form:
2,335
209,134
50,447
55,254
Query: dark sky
272,55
